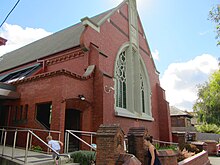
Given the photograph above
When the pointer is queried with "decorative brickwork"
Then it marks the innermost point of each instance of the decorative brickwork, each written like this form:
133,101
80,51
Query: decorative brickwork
65,57
52,74
110,144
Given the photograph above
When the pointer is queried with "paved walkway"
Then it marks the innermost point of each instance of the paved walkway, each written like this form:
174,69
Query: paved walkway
33,158
214,160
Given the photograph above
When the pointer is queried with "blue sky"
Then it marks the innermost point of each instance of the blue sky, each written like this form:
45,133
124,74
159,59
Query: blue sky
179,34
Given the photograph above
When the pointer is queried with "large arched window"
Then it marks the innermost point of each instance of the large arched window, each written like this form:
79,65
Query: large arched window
132,87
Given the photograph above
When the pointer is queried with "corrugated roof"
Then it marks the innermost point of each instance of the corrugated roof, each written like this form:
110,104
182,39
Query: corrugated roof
59,41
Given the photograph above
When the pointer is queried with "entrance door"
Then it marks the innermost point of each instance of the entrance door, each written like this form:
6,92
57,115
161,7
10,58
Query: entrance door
72,122
3,119
3,115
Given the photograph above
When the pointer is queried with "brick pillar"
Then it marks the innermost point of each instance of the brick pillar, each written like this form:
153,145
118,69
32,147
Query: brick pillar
181,139
164,116
110,143
135,142
211,146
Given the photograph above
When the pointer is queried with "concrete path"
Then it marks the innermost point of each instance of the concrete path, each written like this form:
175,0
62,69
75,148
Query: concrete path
214,160
33,158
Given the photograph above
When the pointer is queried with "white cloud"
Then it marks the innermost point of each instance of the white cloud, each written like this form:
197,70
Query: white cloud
180,80
205,32
155,55
18,36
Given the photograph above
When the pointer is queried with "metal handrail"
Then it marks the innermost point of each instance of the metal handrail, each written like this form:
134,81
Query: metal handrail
25,129
22,128
27,142
71,132
164,142
82,132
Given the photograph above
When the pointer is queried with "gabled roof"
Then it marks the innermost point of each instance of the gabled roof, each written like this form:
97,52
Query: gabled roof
177,112
60,41
57,42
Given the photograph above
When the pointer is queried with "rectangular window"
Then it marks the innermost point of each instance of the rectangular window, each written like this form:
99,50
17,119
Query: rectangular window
43,114
21,112
143,101
13,113
16,113
25,112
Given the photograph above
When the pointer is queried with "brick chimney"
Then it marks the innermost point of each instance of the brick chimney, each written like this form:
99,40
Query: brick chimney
2,41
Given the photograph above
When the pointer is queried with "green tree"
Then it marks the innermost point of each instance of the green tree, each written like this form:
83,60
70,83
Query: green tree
208,128
214,15
207,106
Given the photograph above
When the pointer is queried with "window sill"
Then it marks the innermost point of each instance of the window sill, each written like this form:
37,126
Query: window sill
125,113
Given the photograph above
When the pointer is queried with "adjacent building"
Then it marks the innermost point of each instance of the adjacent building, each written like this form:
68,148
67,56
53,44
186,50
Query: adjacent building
182,128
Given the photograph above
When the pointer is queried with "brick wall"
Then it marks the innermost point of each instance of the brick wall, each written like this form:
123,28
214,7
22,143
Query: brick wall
177,121
114,34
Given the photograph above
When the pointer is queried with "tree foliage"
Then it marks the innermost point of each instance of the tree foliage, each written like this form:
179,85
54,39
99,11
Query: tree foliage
207,106
214,15
208,128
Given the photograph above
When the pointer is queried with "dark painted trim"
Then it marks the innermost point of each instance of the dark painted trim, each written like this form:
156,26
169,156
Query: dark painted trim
123,15
101,53
119,29
144,51
105,74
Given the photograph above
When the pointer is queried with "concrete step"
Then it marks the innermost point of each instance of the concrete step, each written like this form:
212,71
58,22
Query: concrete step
34,158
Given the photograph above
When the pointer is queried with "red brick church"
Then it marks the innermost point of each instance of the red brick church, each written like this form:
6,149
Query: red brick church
98,71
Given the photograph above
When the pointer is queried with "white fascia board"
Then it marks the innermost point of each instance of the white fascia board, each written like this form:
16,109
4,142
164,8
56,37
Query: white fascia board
88,22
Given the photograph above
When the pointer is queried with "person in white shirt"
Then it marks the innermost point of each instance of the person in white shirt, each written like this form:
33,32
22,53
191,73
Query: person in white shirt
56,145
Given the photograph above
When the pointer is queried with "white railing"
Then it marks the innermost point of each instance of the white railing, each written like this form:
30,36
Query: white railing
33,130
30,135
84,133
